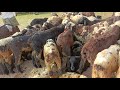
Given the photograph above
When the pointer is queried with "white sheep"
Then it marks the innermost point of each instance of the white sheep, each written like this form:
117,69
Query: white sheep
106,62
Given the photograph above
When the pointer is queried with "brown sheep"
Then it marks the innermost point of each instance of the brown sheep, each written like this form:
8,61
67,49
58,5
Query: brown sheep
88,14
84,33
52,57
95,45
65,42
6,53
5,32
106,62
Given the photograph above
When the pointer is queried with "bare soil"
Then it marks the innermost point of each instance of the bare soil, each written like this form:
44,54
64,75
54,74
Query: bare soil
31,72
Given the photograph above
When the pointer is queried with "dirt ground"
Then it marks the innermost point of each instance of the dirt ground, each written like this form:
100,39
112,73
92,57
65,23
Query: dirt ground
31,72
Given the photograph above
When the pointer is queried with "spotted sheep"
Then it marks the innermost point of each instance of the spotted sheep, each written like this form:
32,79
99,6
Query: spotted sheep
52,57
106,62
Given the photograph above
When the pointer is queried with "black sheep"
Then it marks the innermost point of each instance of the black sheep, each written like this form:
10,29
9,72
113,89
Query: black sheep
38,21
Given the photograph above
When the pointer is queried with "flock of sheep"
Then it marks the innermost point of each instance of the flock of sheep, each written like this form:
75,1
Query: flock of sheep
72,42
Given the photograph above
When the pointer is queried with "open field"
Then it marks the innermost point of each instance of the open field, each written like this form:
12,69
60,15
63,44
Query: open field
25,19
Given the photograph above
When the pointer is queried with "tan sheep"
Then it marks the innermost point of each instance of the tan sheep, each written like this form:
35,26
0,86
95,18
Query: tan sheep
52,57
106,62
91,18
76,18
54,20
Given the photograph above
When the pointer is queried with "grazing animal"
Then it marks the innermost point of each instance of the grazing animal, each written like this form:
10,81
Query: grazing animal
5,32
65,42
55,20
38,21
6,54
106,62
17,46
46,26
88,14
76,48
52,57
38,40
95,45
14,45
75,19
73,63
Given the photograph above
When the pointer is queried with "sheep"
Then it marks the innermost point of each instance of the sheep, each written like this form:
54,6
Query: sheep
6,53
73,63
18,45
75,19
5,32
52,57
112,19
38,21
95,45
76,48
65,42
88,14
54,20
106,62
14,45
84,33
38,40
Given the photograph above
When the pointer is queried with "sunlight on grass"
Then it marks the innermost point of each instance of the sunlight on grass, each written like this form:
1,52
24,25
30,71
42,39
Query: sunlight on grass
25,19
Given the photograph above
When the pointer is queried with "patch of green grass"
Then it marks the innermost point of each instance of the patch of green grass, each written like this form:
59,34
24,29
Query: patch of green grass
25,19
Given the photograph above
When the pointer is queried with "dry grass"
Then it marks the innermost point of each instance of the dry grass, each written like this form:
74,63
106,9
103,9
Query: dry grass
24,20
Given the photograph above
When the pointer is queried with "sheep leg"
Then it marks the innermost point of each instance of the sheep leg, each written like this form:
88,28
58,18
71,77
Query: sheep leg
81,66
58,62
33,59
9,63
4,69
64,63
94,72
17,60
40,62
9,67
36,59
68,66
48,67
